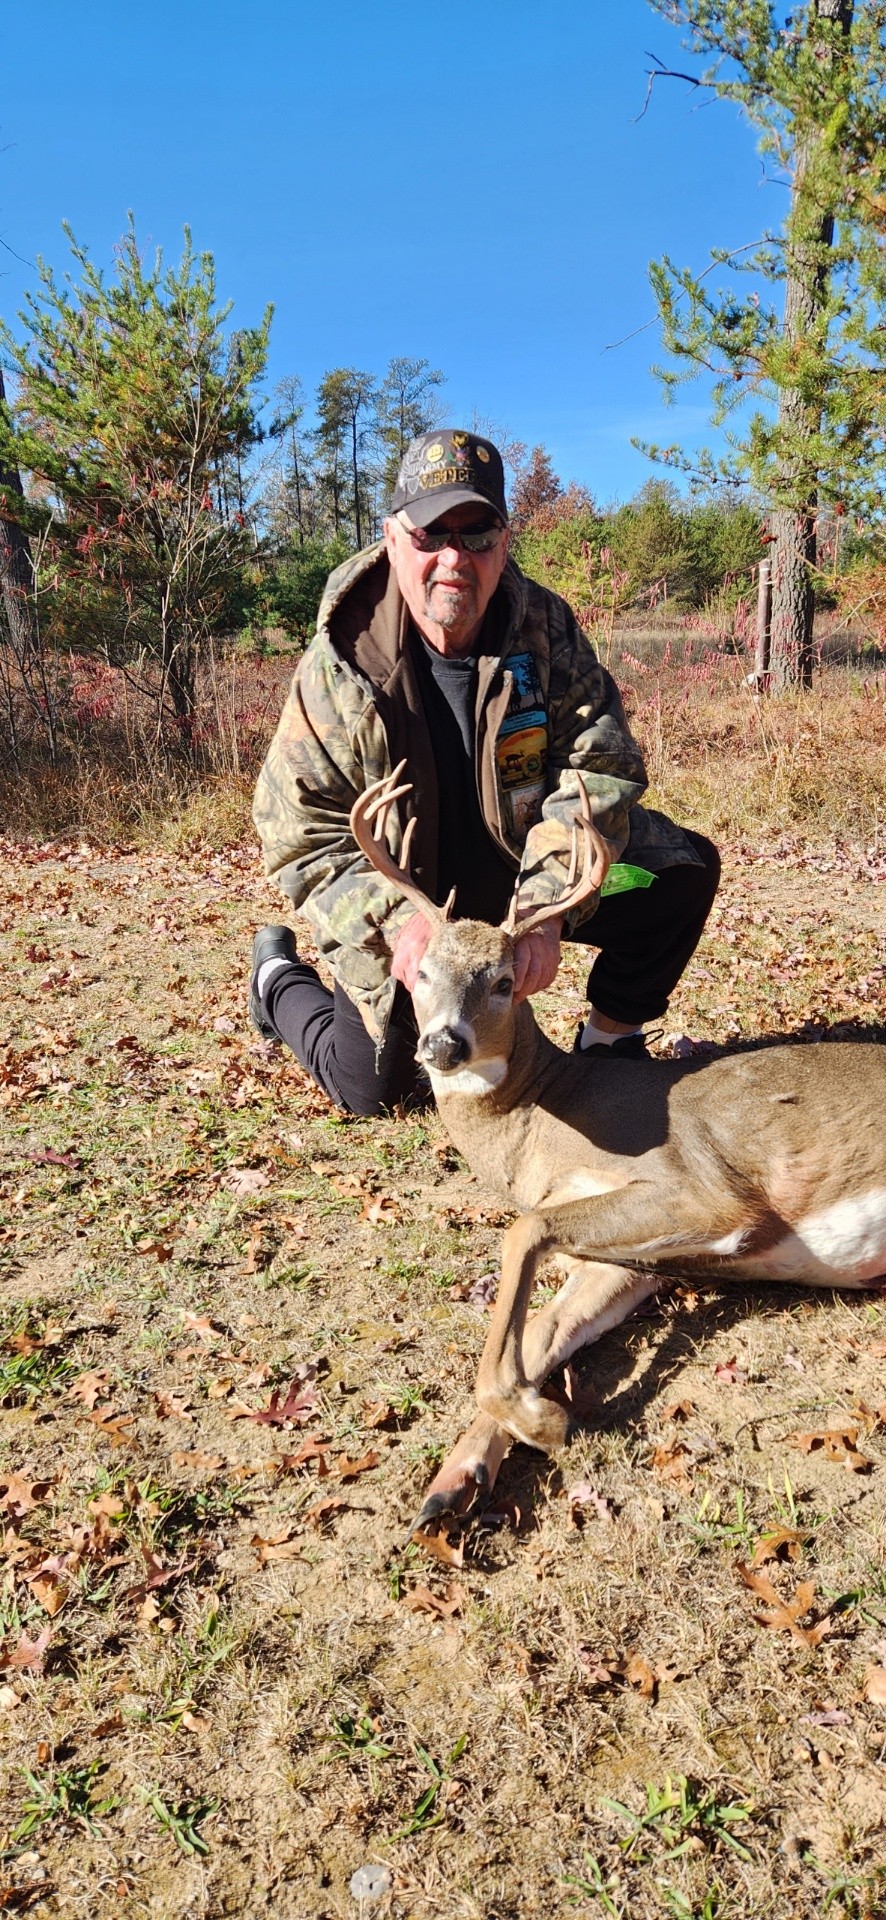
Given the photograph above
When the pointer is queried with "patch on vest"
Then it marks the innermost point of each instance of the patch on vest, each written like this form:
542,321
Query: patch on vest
521,748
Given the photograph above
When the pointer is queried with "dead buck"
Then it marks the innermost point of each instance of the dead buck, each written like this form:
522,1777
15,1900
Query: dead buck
761,1166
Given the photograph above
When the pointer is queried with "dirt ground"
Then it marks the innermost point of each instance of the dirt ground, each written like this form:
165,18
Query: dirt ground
237,1333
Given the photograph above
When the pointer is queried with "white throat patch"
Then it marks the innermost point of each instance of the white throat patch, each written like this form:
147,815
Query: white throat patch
469,1080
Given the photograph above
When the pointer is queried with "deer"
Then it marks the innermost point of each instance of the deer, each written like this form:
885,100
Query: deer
768,1165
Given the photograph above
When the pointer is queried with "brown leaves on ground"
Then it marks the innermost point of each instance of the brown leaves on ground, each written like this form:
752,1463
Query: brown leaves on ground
874,1686
783,1543
282,1545
634,1671
442,1606
838,1444
29,1655
582,1497
90,1387
290,1406
673,1463
443,1545
786,1615
19,1496
351,1469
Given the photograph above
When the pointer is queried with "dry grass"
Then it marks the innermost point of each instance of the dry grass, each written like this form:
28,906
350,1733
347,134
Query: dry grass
283,1704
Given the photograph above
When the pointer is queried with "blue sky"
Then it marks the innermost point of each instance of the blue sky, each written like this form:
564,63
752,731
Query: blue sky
464,182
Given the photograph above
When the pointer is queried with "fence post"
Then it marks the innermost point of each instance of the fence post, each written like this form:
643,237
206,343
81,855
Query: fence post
764,621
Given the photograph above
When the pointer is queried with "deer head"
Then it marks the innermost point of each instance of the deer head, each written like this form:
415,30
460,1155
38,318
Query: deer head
464,992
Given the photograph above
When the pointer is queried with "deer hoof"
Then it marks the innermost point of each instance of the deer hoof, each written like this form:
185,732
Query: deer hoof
529,1416
452,1494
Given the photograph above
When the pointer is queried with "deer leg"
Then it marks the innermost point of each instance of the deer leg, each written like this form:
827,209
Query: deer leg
593,1299
631,1226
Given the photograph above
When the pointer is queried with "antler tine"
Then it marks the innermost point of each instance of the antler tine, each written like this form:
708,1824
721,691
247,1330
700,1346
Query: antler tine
595,865
369,815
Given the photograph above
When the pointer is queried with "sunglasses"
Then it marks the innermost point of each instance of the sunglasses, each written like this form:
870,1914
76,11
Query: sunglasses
434,539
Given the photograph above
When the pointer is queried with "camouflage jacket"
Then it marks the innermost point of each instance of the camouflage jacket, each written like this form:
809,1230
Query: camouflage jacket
546,711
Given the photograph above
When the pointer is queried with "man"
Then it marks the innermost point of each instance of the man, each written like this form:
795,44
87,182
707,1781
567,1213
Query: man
433,647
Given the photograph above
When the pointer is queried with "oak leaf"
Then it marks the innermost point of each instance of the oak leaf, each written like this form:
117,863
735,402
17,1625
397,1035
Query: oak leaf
448,1549
786,1615
422,1600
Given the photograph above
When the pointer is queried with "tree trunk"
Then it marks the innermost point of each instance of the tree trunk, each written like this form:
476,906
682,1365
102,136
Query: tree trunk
793,552
16,572
358,528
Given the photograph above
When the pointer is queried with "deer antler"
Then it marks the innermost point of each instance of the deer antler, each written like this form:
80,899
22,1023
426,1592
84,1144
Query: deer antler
369,815
596,861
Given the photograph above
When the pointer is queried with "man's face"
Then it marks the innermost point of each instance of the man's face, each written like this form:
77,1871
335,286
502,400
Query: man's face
447,592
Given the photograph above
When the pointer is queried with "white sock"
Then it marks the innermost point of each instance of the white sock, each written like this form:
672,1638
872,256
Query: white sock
594,1036
266,972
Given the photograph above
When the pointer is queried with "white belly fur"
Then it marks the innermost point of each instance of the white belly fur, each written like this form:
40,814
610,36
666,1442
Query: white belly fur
844,1245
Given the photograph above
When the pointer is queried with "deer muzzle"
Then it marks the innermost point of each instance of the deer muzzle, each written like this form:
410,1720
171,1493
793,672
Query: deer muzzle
444,1049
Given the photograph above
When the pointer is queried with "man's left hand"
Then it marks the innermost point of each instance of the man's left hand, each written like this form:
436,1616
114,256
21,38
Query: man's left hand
536,960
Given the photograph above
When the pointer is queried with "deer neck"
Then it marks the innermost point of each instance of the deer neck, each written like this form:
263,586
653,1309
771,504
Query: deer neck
497,1085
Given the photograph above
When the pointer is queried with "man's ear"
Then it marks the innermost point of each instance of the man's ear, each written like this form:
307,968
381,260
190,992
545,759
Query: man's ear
390,537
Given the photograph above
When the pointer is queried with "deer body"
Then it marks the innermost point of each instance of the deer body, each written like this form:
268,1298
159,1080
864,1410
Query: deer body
762,1166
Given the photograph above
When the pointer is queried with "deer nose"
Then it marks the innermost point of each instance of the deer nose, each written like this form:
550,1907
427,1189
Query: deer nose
444,1049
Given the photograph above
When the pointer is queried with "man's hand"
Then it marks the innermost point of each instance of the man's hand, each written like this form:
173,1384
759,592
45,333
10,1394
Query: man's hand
409,949
536,960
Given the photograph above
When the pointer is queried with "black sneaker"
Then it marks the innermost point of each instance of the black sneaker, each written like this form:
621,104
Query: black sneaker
629,1046
270,943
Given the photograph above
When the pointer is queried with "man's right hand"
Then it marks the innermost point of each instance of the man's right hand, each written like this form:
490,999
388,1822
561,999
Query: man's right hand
409,949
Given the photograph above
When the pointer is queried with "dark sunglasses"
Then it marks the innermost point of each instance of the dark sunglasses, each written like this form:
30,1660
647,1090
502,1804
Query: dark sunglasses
434,539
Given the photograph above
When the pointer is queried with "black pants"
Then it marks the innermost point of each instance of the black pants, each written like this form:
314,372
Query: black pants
646,940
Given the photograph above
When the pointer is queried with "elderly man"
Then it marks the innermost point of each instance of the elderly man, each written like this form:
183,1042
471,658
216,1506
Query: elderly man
433,647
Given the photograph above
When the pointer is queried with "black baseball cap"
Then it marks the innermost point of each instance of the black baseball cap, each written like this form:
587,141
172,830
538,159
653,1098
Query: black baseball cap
446,469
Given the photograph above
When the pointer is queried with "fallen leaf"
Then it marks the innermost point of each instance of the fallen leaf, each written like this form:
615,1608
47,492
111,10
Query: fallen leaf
320,1512
9,1699
161,1249
282,1545
679,1410
873,1419
171,1406
874,1688
90,1387
782,1615
20,1496
113,1424
837,1444
350,1469
383,1211
484,1292
316,1448
378,1413
671,1463
300,1404
584,1495
219,1389
638,1673
202,1324
49,1158
29,1655
786,1541
422,1600
195,1722
449,1551
730,1372
242,1181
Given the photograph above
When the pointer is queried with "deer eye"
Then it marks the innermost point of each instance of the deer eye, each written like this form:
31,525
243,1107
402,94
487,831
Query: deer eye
504,986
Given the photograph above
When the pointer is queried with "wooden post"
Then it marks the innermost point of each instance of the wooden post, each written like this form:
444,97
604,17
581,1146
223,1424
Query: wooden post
764,623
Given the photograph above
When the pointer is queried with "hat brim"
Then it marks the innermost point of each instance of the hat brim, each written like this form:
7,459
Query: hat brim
428,507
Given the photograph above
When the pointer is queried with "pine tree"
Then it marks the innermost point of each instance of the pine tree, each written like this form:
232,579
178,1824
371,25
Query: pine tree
816,89
133,411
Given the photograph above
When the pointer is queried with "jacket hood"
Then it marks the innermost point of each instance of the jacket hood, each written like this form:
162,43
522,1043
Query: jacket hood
362,596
